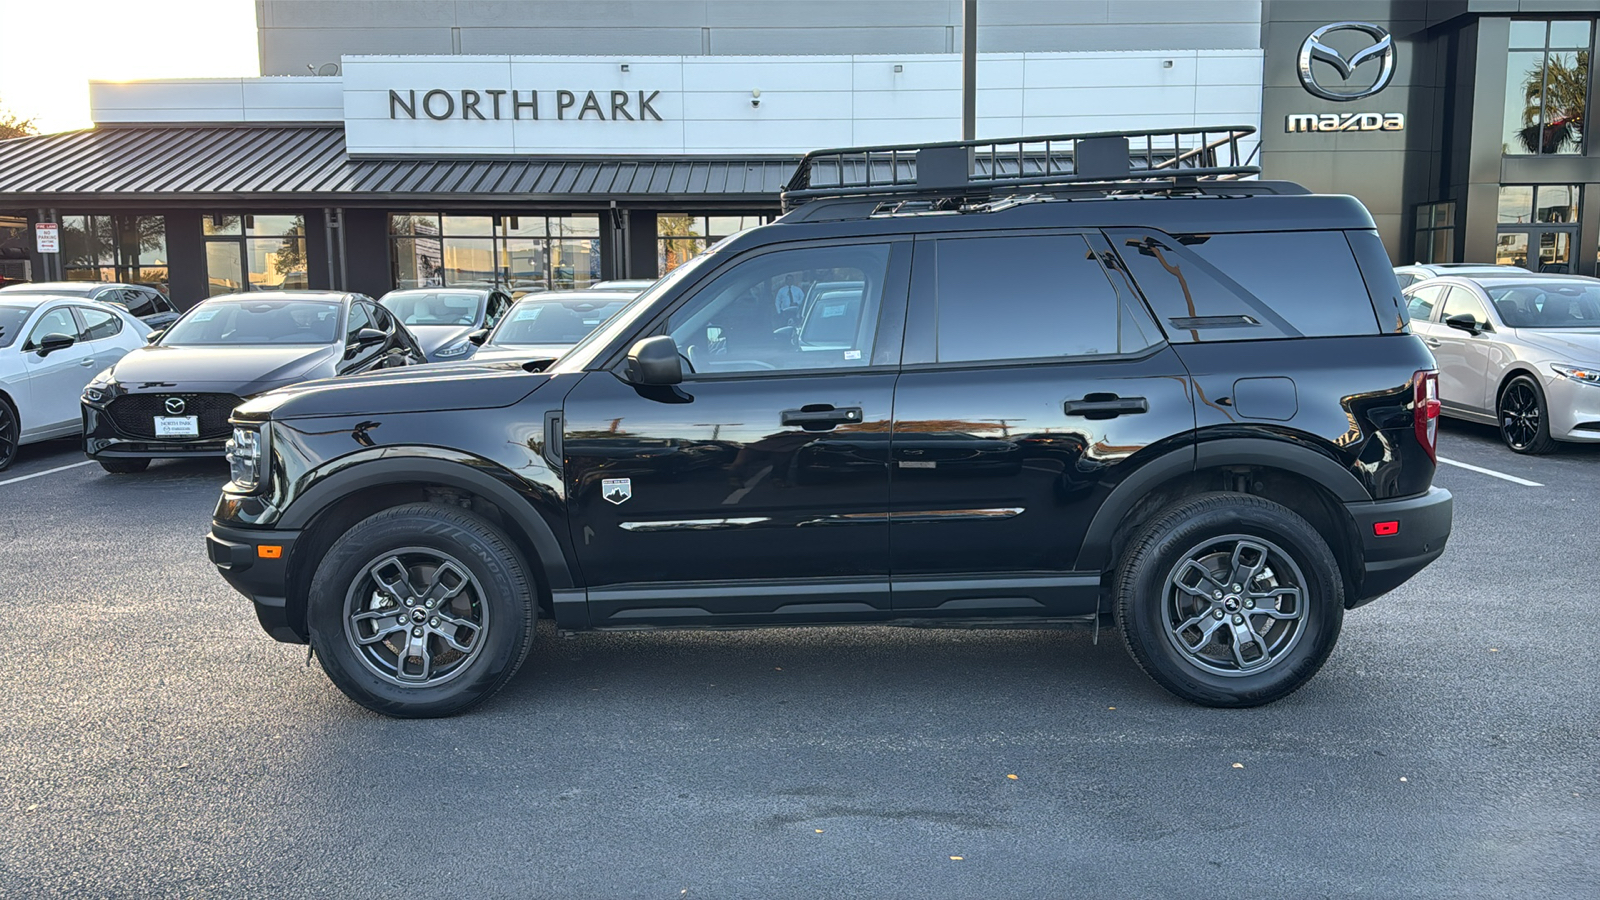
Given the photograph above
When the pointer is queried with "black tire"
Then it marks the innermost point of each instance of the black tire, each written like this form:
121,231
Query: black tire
492,611
123,466
10,434
1280,653
1524,417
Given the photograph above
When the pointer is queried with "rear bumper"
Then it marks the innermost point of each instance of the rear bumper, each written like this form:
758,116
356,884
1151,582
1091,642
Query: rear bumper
237,554
1421,530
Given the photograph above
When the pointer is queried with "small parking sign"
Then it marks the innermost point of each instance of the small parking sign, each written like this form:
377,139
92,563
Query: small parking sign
49,237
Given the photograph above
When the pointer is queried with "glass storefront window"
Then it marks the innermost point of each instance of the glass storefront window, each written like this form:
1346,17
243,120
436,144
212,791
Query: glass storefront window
131,249
1511,249
1516,204
681,237
1557,203
1547,85
1436,229
522,253
1538,226
247,252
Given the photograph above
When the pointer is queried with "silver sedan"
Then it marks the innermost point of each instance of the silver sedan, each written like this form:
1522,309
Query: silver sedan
50,347
1521,351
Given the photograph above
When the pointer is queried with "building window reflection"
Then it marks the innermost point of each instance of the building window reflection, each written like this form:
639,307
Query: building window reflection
130,249
520,253
1436,232
1537,226
681,237
254,252
1547,87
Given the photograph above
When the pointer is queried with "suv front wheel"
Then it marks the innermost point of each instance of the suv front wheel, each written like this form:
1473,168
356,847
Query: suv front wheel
422,610
1229,600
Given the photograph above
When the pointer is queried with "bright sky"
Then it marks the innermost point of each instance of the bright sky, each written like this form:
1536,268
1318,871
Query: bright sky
50,49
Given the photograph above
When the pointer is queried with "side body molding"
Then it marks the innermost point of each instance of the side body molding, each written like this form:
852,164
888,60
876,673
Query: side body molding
519,500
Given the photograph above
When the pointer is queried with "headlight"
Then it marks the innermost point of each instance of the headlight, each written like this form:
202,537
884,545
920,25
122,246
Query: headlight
99,390
1577,373
247,456
453,351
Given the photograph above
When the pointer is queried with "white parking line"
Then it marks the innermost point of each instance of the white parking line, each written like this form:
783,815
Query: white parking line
87,462
1471,468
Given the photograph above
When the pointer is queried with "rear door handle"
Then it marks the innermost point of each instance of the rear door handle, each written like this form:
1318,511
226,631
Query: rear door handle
821,417
1105,406
87,361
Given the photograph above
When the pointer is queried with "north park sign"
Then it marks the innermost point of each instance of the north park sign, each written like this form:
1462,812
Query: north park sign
439,105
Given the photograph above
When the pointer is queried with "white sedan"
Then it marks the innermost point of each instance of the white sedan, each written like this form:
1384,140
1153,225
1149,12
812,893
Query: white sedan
50,348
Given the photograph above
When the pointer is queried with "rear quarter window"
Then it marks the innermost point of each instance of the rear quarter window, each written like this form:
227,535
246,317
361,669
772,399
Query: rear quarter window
1251,286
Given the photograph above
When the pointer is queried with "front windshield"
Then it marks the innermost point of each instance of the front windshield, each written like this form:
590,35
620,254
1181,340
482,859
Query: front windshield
553,320
256,321
11,321
424,308
1548,304
579,356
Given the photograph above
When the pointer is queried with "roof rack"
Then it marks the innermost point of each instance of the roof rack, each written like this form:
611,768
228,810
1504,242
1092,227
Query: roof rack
963,170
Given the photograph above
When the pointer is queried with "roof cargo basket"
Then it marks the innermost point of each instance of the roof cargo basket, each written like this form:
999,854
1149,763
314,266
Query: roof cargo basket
969,170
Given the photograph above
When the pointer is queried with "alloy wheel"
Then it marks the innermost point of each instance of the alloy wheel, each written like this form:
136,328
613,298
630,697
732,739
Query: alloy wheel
416,617
10,433
1520,415
1235,605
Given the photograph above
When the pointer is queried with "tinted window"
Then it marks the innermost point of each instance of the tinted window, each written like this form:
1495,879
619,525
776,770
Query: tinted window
1226,287
139,303
99,324
1024,297
1420,304
11,321
1561,304
359,319
811,308
56,321
1461,301
253,321
1406,279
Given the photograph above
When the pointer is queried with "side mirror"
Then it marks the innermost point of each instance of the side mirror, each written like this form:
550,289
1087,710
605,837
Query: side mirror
154,336
1465,322
50,343
479,336
370,337
654,361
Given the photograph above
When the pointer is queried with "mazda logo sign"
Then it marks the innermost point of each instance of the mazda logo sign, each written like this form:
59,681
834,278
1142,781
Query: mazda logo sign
1381,50
175,406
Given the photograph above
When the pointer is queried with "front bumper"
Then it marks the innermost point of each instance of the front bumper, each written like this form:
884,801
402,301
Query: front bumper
258,573
1422,526
101,437
1574,409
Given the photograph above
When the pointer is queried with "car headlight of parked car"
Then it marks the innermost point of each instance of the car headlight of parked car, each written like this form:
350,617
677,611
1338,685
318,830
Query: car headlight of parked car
454,350
1577,373
101,390
247,455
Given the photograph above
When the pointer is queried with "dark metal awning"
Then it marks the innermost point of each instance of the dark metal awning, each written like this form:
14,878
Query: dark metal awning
177,164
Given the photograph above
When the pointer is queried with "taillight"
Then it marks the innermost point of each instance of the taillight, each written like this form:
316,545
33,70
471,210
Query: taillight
1425,410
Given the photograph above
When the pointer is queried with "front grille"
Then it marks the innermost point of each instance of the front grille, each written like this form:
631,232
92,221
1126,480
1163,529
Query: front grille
135,414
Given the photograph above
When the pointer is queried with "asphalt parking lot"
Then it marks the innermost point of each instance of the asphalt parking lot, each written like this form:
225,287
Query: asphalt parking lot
153,742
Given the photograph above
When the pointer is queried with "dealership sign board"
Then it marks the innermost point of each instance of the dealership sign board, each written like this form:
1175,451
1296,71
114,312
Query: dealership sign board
1318,81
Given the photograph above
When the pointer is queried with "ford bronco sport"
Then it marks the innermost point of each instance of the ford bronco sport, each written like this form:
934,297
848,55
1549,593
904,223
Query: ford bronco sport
1044,380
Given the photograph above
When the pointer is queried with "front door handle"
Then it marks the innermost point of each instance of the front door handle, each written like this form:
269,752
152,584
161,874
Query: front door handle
1105,406
821,416
1433,342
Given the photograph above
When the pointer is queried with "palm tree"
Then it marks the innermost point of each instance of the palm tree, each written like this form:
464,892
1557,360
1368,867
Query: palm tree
1560,87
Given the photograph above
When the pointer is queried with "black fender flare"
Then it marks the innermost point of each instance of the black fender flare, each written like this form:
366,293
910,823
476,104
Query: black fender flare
393,465
1289,456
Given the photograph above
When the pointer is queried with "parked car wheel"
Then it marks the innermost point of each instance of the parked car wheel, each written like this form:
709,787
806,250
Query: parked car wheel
124,466
422,610
10,434
1524,418
1229,600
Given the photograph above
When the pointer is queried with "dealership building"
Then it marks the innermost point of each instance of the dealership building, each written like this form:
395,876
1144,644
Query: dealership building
551,144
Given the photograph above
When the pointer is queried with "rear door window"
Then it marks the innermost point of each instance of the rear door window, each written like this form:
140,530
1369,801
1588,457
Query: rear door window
98,324
1020,297
1251,286
139,303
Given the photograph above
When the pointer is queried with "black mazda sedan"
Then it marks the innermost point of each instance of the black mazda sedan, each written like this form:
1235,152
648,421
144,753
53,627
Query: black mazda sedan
173,398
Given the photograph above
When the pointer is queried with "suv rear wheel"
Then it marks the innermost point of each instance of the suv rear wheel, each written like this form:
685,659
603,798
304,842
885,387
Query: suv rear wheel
1229,600
422,610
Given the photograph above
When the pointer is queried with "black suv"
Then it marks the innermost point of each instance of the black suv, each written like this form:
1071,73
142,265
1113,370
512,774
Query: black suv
1026,382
